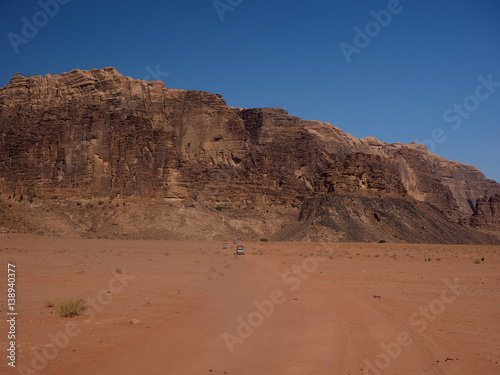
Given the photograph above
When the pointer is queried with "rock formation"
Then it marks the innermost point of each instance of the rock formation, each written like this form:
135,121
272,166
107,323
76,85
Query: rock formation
487,213
78,144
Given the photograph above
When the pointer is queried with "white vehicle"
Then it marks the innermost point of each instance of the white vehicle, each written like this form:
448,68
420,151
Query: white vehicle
224,246
240,250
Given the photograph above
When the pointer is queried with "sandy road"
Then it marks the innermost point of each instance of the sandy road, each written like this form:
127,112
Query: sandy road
317,329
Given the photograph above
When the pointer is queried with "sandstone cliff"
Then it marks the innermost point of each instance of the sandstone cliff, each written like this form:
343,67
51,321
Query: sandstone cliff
487,213
96,136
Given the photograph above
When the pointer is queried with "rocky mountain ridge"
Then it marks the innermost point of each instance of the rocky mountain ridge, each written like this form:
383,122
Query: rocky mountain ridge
97,136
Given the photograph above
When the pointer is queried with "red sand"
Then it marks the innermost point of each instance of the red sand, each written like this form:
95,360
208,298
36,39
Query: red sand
192,296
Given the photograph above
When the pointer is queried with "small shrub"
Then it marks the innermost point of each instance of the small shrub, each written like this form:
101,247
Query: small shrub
477,261
218,208
49,303
377,255
118,270
381,241
70,309
20,198
264,240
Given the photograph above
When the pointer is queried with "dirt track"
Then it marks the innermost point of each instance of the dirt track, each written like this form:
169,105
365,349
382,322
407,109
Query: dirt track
192,297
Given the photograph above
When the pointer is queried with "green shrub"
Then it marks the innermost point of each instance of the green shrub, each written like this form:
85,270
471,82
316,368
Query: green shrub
264,239
381,241
218,208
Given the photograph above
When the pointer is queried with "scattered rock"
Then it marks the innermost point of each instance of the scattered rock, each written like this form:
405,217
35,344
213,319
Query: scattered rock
135,321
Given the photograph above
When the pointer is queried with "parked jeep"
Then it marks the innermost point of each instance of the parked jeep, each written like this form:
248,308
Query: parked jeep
240,250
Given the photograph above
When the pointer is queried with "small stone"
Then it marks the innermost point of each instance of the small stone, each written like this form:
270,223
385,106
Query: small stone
135,321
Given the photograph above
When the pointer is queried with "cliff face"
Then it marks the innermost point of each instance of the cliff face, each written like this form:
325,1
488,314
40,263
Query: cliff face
97,135
451,186
487,213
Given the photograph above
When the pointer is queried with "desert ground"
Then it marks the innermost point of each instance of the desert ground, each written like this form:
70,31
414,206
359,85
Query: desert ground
283,308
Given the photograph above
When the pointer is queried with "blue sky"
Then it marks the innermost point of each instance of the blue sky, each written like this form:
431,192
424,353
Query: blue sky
408,71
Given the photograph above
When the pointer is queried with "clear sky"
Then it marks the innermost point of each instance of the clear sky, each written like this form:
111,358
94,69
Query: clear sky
402,71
